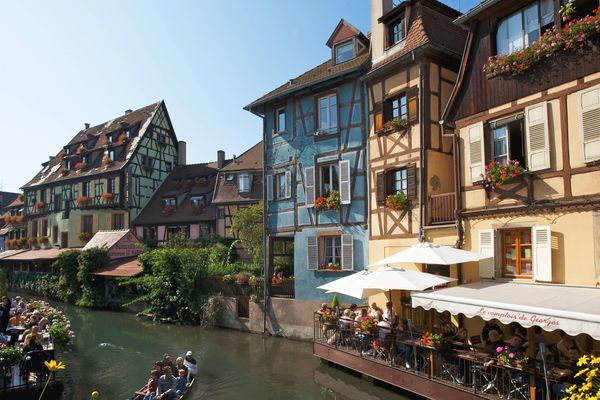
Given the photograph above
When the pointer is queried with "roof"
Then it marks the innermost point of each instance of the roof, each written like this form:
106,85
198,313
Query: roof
30,255
345,30
93,138
121,268
7,198
106,239
428,26
18,202
479,8
572,309
9,253
183,182
320,73
250,159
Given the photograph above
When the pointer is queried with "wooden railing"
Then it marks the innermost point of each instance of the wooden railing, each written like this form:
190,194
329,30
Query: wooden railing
441,208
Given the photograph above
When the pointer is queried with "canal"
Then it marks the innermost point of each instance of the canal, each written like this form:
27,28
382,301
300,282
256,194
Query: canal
113,353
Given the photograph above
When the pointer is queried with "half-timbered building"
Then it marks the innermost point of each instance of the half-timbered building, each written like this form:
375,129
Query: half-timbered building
101,179
415,52
13,233
315,166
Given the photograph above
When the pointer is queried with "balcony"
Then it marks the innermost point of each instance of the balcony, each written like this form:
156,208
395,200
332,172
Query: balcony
441,209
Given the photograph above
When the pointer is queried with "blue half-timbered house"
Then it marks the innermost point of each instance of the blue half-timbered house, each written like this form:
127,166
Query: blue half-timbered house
315,168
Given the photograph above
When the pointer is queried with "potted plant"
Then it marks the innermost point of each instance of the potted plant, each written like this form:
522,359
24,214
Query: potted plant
396,125
496,174
397,201
82,201
508,357
8,244
226,278
331,202
432,339
253,281
567,10
80,166
9,356
23,242
107,161
17,218
107,197
85,236
64,171
39,206
44,240
367,326
334,266
7,219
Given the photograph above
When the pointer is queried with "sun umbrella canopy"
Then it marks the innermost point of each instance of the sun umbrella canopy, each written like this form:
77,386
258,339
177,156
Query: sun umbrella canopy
367,283
429,253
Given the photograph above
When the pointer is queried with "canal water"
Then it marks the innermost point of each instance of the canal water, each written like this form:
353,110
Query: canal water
113,353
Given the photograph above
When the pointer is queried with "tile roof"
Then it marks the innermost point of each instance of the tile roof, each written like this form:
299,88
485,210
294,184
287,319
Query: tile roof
120,268
106,239
138,119
321,72
30,255
182,183
427,26
250,161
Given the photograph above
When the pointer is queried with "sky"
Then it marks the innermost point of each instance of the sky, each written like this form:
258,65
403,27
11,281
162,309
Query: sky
64,63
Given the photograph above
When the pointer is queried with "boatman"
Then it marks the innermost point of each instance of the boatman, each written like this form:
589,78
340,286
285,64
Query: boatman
190,362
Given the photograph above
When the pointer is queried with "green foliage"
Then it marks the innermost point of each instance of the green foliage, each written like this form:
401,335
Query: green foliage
67,266
3,283
248,226
60,333
90,261
335,303
211,310
25,281
9,356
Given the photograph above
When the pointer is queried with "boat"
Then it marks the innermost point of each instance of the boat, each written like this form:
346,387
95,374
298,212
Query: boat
139,395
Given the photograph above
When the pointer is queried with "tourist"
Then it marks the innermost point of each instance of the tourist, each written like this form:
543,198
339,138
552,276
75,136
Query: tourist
364,315
324,309
165,388
374,311
5,308
490,325
33,341
494,341
181,383
151,386
190,363
158,366
515,345
565,343
388,314
167,362
179,365
405,351
461,339
352,310
43,324
346,321
17,320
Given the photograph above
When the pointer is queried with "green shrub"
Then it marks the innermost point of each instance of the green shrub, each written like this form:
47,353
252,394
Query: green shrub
9,356
91,291
60,333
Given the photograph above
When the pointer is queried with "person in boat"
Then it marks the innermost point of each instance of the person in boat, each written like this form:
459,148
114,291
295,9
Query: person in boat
165,388
5,307
190,362
158,366
181,384
168,362
33,341
17,320
179,365
151,386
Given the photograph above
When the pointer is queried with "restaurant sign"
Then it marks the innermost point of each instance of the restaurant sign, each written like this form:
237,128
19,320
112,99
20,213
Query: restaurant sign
128,246
524,319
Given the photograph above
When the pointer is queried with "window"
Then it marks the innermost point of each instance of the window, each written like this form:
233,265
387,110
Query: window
109,138
55,234
85,189
344,52
332,251
522,28
396,32
168,166
111,155
328,114
197,201
397,108
517,252
280,120
118,221
147,162
398,181
44,231
34,228
111,185
280,186
183,230
67,150
149,232
229,177
43,195
329,179
508,140
244,183
169,202
85,159
87,224
68,165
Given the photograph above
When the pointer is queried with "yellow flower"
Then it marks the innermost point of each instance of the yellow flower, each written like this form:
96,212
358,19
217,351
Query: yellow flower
583,361
595,360
54,366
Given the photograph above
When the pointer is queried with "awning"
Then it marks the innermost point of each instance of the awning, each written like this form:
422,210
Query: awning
575,310
122,268
8,253
31,255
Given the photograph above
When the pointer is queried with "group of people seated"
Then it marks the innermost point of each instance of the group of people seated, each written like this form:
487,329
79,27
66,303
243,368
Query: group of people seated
169,380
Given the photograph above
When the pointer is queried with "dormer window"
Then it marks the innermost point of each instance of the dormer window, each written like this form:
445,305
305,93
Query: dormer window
229,177
396,32
344,52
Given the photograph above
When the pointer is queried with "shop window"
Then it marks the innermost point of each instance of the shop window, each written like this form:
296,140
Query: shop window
517,258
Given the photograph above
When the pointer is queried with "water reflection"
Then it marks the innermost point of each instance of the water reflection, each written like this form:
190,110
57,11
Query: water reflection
113,353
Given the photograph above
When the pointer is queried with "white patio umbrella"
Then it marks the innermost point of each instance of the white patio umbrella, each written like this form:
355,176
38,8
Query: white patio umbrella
368,283
429,253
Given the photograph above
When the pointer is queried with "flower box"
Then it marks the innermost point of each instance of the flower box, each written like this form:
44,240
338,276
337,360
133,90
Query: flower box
168,210
396,125
496,174
85,236
432,339
39,206
64,171
396,202
122,138
82,201
108,197
107,161
331,202
23,242
80,166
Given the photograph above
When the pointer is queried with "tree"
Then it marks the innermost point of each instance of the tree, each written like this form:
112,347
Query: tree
67,266
248,226
89,261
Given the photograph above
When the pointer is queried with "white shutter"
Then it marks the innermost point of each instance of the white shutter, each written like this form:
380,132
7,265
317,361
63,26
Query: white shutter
345,192
269,187
309,183
589,123
312,253
476,151
542,253
288,184
487,247
347,252
538,137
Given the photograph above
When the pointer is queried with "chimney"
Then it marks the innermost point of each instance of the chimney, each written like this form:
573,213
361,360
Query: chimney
234,160
87,125
128,111
378,9
220,159
182,152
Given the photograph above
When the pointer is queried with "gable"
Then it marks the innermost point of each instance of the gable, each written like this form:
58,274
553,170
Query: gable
343,33
127,246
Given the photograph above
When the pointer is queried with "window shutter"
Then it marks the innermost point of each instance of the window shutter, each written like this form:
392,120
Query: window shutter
538,138
411,181
476,151
288,184
542,253
380,188
313,253
487,247
378,121
309,177
589,123
347,252
345,190
412,99
269,187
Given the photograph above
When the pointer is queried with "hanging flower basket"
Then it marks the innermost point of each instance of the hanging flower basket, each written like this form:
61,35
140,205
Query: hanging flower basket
80,166
496,174
82,201
574,35
396,202
331,202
